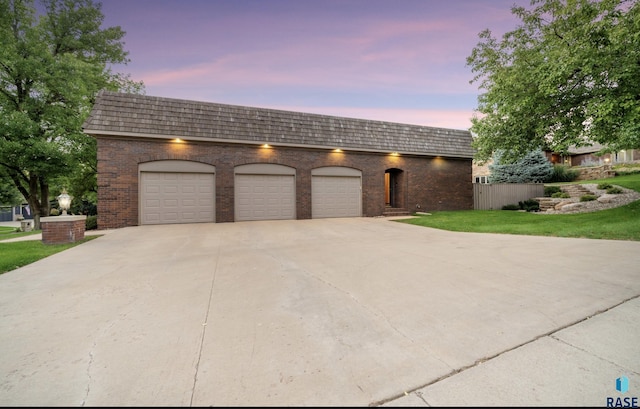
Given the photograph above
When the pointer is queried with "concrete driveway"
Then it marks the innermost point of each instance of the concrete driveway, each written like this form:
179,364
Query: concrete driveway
329,312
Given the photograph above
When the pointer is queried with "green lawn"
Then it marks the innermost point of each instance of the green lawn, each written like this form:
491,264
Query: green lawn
621,223
13,232
20,253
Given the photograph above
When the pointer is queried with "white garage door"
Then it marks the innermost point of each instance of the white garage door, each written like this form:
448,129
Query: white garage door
177,197
268,195
336,192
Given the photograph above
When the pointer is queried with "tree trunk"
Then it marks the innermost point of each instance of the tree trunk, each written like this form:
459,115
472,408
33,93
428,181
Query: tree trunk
38,199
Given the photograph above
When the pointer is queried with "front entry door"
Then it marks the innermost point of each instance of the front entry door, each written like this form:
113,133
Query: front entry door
391,188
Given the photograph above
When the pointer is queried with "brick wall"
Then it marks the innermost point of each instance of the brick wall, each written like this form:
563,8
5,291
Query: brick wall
62,229
431,183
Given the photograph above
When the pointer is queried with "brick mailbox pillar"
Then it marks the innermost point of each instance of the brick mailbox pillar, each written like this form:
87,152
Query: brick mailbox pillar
62,229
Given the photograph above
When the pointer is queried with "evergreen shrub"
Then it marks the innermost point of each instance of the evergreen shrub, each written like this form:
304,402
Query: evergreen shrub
530,205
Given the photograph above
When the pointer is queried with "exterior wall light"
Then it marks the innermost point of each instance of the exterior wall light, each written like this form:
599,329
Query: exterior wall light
395,154
338,150
64,200
266,146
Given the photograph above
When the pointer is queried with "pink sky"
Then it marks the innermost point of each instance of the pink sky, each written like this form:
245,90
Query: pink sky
392,60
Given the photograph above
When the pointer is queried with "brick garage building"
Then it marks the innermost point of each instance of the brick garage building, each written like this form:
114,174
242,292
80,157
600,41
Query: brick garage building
164,160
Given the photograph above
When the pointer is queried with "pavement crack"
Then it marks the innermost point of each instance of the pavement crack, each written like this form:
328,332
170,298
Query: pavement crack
89,364
204,327
589,353
421,397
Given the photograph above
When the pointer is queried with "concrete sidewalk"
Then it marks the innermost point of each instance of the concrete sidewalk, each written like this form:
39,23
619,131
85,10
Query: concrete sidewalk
328,312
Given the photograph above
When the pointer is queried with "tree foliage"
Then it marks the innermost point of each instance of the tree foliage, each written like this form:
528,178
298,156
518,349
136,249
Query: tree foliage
51,68
9,195
534,167
569,74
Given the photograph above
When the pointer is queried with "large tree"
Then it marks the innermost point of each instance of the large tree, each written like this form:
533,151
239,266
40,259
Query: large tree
51,67
569,74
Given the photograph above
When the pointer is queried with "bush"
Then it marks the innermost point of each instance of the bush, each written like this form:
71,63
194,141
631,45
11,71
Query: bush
614,190
54,212
562,173
511,207
604,186
530,205
550,190
91,223
563,195
84,207
588,198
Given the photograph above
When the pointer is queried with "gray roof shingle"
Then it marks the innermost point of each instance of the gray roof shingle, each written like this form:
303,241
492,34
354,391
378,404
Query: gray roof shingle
140,115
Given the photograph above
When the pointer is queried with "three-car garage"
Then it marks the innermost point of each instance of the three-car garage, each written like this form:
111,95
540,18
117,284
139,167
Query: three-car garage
167,160
175,191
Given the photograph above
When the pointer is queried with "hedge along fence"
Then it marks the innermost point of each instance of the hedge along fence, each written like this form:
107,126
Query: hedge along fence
494,196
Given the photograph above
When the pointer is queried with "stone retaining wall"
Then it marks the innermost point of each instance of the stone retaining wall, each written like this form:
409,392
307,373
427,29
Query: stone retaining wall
596,172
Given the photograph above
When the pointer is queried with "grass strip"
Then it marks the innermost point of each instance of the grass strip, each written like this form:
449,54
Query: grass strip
20,253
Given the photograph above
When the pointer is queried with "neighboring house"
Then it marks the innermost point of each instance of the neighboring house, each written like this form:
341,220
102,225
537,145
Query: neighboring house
10,213
481,173
587,156
164,160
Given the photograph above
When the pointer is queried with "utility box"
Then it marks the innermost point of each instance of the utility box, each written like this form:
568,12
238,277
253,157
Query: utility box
26,225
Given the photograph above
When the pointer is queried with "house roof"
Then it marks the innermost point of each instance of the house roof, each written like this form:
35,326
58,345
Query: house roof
579,150
120,114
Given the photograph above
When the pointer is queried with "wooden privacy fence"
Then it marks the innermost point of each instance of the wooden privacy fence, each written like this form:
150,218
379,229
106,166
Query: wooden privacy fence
494,196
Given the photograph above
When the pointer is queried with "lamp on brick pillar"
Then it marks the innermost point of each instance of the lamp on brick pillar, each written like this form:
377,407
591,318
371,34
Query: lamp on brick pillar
64,200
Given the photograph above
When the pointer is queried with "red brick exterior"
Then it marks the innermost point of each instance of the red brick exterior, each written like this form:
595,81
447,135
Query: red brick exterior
432,183
60,232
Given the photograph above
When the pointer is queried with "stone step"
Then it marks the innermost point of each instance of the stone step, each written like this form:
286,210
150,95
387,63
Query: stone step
396,211
546,203
575,190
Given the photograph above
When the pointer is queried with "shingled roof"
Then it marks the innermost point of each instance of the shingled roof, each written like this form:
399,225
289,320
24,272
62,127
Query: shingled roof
134,115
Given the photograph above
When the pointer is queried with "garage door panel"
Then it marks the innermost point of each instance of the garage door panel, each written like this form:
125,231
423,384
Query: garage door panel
177,197
205,203
152,189
264,197
336,196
